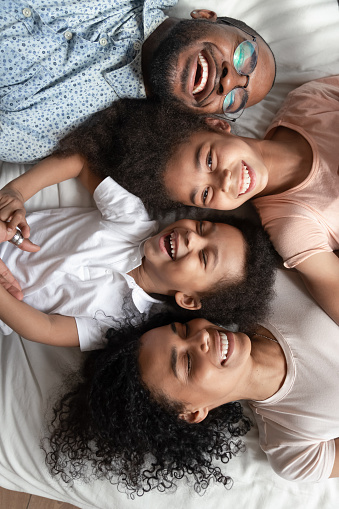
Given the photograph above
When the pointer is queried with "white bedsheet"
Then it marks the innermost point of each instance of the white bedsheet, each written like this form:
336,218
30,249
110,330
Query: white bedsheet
304,35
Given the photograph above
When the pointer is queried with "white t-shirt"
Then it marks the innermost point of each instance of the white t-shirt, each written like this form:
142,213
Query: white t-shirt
298,424
81,269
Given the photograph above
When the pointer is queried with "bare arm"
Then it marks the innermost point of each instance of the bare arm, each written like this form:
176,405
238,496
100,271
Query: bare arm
320,273
47,172
36,326
335,470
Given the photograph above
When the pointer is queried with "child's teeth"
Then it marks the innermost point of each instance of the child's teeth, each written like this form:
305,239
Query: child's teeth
172,246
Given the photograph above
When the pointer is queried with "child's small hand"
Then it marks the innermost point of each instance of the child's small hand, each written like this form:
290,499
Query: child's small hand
13,212
25,245
8,281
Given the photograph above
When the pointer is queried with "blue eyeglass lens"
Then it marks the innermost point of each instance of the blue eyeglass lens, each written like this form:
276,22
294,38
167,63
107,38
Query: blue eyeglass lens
245,57
235,101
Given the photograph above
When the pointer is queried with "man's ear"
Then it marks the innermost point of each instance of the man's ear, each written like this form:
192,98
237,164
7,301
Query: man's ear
194,417
204,14
187,301
219,124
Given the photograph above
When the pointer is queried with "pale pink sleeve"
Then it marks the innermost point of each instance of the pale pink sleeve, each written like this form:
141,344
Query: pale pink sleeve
297,238
307,462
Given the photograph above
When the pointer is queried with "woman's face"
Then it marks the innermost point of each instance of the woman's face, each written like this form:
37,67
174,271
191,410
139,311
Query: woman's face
216,170
197,363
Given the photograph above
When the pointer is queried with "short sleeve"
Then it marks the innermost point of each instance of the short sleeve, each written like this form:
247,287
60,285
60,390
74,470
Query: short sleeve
91,333
115,202
297,238
307,462
119,206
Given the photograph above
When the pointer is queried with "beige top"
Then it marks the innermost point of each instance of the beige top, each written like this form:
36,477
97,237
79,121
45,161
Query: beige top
298,424
305,219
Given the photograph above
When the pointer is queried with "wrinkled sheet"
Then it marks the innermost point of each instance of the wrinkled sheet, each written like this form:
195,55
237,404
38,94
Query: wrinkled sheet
304,35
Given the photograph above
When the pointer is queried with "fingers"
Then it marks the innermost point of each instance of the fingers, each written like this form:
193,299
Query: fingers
18,220
28,246
12,210
8,281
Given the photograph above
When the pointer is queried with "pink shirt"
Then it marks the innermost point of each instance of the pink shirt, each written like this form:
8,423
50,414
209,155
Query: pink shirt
305,219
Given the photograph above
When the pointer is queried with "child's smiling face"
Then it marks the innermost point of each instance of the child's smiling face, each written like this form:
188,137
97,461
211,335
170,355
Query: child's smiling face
216,170
191,257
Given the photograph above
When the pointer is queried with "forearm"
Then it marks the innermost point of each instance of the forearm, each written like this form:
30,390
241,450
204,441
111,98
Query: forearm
47,172
35,325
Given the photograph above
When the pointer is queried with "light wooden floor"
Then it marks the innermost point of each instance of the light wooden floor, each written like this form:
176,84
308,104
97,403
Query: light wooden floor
17,500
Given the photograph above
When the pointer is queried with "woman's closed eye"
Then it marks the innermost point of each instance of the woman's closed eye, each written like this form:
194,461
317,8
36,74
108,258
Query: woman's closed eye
203,258
189,363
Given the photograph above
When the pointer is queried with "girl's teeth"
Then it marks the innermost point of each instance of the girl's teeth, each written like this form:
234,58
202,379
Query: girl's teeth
224,345
246,180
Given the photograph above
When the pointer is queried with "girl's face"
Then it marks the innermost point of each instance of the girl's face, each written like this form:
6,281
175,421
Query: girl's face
215,170
194,256
197,363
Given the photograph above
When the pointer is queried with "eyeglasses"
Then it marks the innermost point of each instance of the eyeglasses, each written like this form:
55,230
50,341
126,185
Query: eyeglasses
245,59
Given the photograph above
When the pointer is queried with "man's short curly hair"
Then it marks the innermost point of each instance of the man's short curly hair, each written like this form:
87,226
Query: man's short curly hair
109,426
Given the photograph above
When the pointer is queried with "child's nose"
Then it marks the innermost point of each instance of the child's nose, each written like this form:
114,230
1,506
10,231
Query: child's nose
224,178
191,239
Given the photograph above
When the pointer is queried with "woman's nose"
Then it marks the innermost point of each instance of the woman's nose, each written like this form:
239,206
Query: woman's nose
201,340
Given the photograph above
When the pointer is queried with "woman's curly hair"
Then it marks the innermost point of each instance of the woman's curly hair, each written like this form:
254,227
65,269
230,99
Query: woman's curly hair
132,141
109,426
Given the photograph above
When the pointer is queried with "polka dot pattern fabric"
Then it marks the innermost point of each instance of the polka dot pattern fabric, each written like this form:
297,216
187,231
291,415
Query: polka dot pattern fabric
62,60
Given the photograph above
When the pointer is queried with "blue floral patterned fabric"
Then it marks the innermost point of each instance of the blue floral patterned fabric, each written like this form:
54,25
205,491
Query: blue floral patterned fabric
62,60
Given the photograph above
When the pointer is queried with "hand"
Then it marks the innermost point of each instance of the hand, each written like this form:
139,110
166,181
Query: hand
26,245
12,211
8,281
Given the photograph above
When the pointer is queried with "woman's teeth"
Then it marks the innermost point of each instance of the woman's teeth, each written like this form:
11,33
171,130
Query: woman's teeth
203,67
246,181
223,345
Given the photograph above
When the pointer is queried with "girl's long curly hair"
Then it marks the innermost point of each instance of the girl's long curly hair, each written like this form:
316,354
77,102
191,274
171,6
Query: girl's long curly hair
109,426
131,141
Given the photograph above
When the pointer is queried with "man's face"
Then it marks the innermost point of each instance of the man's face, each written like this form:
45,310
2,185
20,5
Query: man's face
201,73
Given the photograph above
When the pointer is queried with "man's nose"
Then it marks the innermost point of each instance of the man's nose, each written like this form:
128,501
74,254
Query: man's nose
230,79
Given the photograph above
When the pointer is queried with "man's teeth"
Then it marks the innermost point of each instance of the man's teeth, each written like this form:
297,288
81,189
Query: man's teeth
204,74
224,345
246,181
172,244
